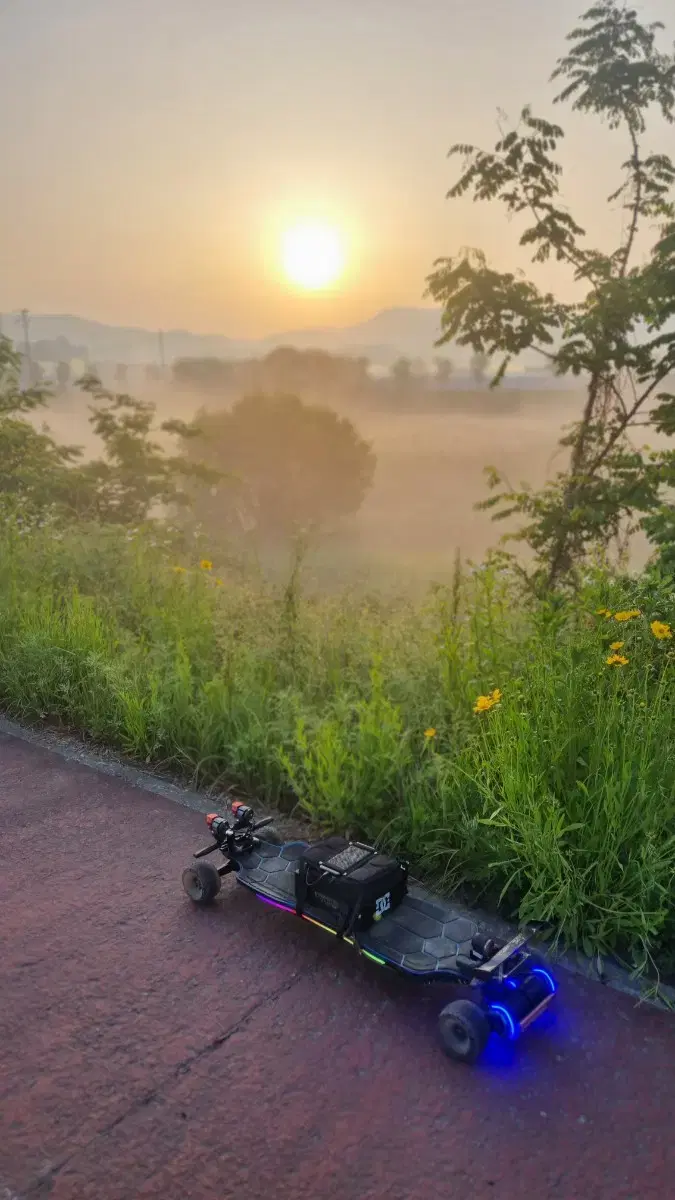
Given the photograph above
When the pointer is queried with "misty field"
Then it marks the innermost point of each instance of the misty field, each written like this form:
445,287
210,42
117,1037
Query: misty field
523,752
429,476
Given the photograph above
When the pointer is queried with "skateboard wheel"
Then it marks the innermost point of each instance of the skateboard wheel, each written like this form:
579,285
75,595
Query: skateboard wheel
464,1030
201,882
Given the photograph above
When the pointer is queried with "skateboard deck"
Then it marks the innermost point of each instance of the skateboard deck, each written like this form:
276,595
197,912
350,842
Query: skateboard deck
423,935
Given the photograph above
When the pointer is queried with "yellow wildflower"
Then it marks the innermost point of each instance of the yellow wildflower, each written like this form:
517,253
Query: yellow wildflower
179,570
617,660
603,612
219,582
661,630
627,615
206,564
430,733
485,703
617,646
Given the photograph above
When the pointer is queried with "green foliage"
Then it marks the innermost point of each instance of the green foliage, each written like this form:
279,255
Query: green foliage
557,803
349,768
285,466
41,480
135,474
35,480
619,335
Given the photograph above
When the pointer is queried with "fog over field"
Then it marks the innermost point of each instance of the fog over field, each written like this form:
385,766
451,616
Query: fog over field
429,475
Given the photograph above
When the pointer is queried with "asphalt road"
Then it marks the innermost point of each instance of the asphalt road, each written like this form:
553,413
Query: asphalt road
150,1049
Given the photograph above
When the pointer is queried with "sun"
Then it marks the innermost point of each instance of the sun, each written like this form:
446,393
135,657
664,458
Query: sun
312,256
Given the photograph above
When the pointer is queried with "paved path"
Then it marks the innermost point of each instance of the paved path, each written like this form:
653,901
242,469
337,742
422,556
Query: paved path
149,1049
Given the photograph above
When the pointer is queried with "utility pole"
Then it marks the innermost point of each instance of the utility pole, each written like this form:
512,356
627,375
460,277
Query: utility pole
27,370
26,337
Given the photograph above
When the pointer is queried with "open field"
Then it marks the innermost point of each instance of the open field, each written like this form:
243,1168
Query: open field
430,468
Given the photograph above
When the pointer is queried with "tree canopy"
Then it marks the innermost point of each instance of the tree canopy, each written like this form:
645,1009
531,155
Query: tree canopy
618,335
285,465
41,479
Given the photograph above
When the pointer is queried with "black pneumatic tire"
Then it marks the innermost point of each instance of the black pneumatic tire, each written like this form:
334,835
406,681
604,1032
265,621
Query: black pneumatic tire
464,1030
201,882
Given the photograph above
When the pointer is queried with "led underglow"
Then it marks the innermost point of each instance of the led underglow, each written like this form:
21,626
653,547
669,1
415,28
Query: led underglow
545,975
319,925
507,1018
275,903
380,961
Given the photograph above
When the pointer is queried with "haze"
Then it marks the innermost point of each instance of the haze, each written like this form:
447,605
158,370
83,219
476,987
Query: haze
153,151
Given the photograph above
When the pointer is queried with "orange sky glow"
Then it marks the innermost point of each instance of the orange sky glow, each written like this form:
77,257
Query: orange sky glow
159,150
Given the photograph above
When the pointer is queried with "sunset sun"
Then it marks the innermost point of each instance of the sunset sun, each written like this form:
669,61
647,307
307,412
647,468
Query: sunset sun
312,256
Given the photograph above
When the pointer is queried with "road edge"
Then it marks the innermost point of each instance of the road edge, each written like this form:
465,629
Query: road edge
604,972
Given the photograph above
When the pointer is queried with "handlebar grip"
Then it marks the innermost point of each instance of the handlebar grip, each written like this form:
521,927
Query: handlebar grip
205,850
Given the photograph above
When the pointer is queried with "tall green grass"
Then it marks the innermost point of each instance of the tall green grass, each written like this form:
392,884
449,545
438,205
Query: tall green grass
557,804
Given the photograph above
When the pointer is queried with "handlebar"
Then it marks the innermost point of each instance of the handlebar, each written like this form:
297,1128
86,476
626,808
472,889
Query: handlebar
243,832
205,850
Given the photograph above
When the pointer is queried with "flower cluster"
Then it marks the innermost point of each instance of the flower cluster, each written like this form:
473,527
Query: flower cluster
205,565
485,703
660,630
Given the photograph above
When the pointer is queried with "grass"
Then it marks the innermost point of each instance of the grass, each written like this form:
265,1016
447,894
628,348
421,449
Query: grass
557,803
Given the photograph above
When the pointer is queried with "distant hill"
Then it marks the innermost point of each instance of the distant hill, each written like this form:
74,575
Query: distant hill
119,343
382,338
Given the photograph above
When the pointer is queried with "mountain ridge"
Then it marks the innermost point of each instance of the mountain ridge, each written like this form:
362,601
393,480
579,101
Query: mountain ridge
383,337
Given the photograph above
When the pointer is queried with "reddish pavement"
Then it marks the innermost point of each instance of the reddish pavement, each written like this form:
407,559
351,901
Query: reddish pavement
150,1049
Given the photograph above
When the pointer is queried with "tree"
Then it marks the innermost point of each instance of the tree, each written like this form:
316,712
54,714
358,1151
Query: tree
478,366
135,477
41,479
35,472
209,374
444,368
286,466
62,375
402,372
618,335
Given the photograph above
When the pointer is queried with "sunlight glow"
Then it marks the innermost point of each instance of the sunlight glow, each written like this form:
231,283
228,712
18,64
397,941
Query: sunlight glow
312,256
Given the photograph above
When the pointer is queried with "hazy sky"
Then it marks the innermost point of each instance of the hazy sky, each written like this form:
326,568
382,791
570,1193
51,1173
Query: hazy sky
153,151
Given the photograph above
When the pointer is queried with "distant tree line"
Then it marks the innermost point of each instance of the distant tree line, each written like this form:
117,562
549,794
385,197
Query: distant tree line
320,377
